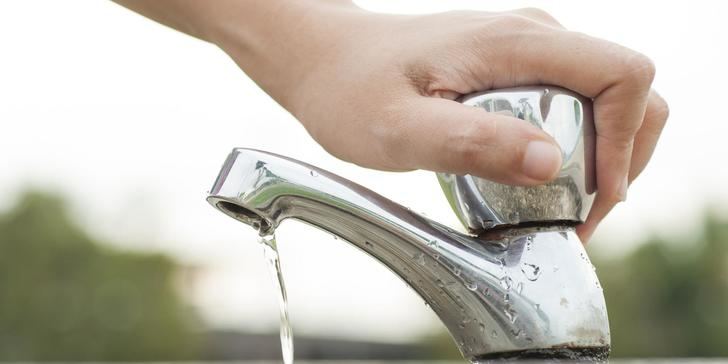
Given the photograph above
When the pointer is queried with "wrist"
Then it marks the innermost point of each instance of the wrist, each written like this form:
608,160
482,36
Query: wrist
279,43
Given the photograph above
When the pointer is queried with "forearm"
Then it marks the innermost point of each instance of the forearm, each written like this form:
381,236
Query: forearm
276,42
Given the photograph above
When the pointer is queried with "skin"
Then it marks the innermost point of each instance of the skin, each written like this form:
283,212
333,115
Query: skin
378,90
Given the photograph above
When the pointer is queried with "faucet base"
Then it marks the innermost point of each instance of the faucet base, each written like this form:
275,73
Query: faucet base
585,354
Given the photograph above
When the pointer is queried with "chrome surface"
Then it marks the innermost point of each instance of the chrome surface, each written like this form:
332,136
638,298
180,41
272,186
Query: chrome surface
566,116
506,291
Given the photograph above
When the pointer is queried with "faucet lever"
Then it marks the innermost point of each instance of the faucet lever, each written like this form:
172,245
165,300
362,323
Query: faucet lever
566,116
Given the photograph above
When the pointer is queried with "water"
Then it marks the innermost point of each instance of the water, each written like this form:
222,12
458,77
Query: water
270,251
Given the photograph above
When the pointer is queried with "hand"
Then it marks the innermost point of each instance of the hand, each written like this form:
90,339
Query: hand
378,90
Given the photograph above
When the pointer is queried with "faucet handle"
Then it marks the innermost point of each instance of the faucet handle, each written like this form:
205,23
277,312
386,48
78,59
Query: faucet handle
481,204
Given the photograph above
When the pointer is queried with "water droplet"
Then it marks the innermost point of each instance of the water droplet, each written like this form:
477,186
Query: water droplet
440,283
482,327
506,282
556,268
471,285
486,292
432,243
536,306
594,269
529,339
519,287
313,173
531,271
514,217
420,259
494,334
516,333
546,91
436,256
507,298
456,271
501,244
510,313
487,224
427,305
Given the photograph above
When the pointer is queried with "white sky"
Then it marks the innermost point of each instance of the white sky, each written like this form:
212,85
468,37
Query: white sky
132,120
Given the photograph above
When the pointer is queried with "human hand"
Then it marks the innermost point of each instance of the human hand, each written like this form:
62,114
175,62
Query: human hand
378,90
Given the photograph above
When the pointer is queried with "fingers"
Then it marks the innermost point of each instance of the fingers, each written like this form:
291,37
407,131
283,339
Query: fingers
617,78
446,136
644,145
646,138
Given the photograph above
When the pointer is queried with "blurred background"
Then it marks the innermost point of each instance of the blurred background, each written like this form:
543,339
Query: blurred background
113,127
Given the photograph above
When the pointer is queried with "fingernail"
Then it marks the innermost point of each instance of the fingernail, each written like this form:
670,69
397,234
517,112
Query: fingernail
623,189
541,161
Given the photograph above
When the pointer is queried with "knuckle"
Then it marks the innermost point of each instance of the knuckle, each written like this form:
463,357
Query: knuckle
426,79
514,21
622,139
614,198
639,68
537,13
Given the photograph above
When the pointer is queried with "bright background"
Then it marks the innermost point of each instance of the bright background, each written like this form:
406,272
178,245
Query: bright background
132,120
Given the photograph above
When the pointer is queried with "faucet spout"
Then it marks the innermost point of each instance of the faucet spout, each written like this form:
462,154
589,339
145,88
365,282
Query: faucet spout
527,292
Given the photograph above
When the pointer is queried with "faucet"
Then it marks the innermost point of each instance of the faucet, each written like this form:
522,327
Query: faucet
517,284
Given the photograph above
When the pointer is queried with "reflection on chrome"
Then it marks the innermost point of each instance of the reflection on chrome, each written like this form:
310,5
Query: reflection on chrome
513,290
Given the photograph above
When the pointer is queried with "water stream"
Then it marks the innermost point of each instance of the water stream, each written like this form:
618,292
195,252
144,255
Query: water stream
270,251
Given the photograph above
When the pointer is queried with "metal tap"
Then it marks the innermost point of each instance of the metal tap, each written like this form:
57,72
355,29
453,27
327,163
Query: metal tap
518,285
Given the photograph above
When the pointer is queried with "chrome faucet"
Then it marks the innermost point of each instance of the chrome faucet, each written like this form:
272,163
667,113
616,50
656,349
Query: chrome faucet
518,285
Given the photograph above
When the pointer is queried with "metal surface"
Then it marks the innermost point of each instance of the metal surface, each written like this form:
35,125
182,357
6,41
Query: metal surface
566,116
510,290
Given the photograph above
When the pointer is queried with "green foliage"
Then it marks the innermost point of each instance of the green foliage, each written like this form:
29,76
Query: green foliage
63,296
670,298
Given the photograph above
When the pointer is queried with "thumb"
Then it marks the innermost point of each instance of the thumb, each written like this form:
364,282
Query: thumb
445,136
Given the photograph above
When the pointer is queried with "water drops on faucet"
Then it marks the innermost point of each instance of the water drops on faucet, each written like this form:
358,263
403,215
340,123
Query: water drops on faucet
487,224
531,271
471,285
461,276
420,258
519,287
514,218
506,282
456,270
